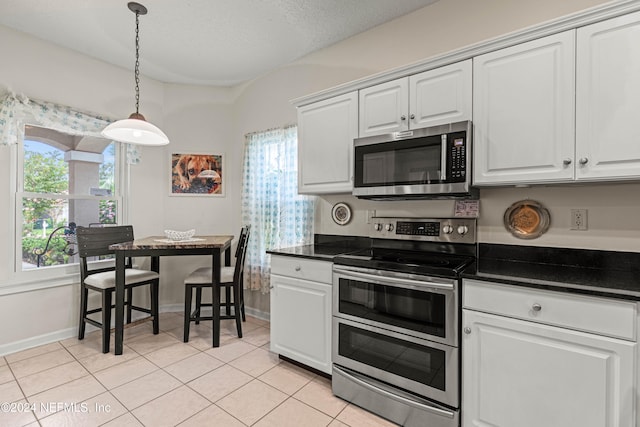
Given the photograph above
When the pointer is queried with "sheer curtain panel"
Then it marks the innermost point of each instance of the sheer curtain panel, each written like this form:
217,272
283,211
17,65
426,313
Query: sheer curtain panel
278,216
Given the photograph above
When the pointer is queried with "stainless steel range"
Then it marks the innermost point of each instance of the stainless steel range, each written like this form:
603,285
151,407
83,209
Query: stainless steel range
396,320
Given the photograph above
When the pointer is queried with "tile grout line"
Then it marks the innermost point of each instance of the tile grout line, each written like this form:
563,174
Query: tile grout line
259,329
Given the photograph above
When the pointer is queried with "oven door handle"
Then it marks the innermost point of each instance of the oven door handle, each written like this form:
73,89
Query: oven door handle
348,273
410,402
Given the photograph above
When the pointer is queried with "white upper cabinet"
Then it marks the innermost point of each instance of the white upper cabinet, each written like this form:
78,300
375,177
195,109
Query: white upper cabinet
326,130
441,96
434,97
608,99
384,108
523,108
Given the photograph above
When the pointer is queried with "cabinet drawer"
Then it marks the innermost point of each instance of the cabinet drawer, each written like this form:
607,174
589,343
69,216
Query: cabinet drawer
603,316
309,269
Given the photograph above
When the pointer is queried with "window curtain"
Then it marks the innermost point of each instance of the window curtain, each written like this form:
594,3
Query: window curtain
278,216
18,110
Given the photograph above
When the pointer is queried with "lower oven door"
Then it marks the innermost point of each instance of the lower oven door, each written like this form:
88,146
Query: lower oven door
423,367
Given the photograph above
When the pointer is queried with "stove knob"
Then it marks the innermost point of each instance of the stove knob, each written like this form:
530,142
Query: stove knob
377,226
462,230
389,227
447,229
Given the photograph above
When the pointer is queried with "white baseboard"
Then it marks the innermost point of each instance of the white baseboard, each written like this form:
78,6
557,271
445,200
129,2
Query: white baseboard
39,340
63,334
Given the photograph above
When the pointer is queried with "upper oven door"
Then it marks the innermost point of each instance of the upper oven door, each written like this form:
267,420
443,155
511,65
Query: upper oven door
415,305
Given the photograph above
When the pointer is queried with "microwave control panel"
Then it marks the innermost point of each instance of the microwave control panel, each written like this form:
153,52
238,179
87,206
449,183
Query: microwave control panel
457,156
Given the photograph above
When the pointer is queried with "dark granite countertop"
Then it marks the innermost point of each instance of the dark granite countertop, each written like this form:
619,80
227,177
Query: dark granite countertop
325,247
593,272
320,252
601,273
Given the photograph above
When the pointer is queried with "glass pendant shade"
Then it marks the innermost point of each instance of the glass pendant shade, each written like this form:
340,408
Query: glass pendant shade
135,130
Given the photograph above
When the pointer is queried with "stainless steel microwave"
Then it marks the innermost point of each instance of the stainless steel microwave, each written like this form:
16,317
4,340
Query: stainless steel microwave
427,163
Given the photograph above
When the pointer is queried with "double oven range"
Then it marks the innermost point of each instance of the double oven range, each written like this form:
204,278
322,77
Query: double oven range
396,305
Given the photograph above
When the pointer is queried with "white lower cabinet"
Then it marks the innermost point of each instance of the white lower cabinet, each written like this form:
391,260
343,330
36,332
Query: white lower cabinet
519,370
301,310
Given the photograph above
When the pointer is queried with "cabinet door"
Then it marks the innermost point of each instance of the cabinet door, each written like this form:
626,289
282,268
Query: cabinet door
440,96
326,130
608,99
384,108
523,109
301,321
518,373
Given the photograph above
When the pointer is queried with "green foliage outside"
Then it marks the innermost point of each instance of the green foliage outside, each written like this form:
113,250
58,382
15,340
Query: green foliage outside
49,173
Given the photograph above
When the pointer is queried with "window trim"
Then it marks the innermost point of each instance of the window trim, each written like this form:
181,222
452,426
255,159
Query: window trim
54,276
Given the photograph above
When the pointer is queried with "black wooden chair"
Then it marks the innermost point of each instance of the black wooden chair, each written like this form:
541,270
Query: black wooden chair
95,242
231,279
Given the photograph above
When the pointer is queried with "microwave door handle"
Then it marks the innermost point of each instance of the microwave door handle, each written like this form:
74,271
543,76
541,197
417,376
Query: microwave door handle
443,158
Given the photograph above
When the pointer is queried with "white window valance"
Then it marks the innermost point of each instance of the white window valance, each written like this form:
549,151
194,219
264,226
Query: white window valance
18,110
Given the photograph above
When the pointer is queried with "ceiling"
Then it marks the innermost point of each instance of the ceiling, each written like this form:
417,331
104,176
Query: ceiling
203,42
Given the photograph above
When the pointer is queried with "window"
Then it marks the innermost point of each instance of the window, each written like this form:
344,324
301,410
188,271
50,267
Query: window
278,215
64,181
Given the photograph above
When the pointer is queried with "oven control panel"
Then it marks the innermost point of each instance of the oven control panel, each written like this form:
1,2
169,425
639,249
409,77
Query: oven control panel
457,230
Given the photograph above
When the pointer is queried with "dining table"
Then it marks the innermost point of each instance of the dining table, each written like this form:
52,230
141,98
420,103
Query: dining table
158,246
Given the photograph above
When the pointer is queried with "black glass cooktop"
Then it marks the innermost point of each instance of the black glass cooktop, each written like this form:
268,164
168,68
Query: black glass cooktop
406,261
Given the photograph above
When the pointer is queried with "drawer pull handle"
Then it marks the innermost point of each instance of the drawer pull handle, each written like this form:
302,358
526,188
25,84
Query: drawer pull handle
297,268
536,307
467,330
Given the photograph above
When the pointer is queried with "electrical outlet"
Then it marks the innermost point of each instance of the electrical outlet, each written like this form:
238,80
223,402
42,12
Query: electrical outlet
578,219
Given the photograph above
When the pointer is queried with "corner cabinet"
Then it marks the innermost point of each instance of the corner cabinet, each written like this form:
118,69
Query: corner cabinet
523,106
430,98
534,358
301,310
326,130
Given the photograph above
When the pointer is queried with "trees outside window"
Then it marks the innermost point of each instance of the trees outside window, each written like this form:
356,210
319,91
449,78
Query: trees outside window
66,181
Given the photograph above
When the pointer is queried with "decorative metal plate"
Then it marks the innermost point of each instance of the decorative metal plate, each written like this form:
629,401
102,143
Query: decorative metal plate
341,213
527,219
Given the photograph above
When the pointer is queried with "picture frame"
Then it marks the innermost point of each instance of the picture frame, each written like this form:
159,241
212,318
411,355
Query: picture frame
197,174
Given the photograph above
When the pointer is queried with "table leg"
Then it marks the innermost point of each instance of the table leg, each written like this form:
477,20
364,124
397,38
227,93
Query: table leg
120,266
155,266
215,306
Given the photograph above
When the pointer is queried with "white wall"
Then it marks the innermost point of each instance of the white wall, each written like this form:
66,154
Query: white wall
437,29
217,119
194,118
442,27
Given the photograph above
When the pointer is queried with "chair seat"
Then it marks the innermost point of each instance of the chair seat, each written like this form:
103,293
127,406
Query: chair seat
107,279
202,276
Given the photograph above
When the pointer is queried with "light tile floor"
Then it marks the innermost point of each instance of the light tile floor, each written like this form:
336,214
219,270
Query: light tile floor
161,381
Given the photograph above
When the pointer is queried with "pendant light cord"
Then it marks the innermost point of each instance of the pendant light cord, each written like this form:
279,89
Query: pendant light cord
137,67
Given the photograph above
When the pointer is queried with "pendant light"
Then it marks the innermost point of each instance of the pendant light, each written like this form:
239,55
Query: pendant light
135,129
